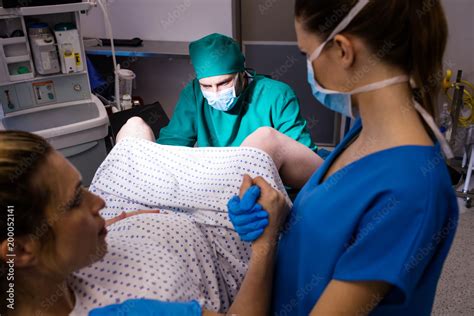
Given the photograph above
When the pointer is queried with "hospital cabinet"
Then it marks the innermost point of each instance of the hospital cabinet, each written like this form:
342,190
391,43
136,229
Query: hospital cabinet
44,83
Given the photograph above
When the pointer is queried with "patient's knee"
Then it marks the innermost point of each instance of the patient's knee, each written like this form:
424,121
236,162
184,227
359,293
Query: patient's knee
136,127
264,138
266,133
137,121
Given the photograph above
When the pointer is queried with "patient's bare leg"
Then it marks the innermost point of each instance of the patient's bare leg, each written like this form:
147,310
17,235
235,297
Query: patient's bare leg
295,162
136,127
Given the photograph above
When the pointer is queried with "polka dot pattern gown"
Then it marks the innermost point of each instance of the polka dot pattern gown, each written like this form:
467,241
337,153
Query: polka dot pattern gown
187,251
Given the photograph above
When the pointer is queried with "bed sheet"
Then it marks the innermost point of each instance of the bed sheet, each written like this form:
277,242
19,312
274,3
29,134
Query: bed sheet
187,251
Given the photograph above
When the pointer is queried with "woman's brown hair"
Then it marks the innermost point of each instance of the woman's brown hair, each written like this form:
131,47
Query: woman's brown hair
21,157
410,34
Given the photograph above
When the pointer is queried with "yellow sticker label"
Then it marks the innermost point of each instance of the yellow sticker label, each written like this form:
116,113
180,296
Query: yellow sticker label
78,59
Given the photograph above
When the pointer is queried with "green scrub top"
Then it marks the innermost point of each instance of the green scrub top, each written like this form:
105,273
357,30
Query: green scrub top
265,102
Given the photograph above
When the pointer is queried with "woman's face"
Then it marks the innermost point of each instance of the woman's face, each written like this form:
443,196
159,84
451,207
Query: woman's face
73,213
328,68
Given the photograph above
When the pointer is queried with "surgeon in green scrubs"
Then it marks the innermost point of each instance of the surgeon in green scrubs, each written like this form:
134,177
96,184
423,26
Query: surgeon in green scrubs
226,102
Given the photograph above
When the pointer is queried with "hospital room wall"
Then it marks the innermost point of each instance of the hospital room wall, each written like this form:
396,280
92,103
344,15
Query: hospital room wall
460,51
272,20
163,20
162,79
269,42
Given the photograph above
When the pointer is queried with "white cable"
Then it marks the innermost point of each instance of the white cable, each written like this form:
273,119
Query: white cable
448,153
108,29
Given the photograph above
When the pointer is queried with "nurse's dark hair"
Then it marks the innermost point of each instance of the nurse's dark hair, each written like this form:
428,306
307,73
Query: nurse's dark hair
409,34
24,196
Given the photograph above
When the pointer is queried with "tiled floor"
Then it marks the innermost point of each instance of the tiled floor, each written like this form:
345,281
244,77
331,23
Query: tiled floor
455,295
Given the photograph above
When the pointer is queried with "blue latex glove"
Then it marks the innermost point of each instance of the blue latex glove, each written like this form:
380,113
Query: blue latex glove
247,216
144,307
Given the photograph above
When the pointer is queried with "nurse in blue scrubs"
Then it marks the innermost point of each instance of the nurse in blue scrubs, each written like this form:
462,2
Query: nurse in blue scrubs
371,229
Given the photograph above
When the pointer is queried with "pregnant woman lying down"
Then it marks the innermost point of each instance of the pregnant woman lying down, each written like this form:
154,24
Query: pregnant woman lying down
173,243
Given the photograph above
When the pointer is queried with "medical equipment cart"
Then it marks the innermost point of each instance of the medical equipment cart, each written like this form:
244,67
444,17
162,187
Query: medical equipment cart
58,106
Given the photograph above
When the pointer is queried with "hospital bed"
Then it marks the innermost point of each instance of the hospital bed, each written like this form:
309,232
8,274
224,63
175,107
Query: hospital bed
188,251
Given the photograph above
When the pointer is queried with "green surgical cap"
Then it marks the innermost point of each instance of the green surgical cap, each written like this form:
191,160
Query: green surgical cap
216,55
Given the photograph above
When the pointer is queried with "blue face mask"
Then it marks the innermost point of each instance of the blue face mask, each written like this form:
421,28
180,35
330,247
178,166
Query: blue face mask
341,102
223,100
337,102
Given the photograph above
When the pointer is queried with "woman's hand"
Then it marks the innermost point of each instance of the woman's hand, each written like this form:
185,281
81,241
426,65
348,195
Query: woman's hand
254,296
125,215
274,202
247,216
251,218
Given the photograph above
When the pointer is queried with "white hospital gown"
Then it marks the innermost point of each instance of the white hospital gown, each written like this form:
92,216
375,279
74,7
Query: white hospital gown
189,250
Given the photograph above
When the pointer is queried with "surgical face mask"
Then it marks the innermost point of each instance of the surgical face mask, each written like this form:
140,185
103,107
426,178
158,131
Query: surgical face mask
341,101
223,100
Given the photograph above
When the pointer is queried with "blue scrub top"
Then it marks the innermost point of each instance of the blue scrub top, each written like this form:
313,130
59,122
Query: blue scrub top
390,216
